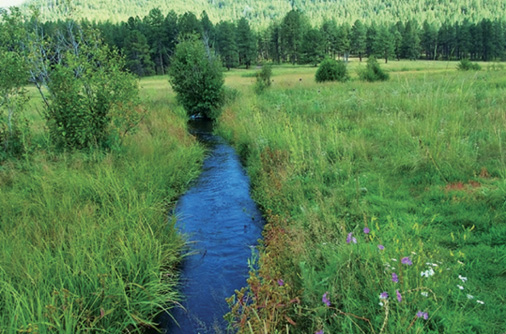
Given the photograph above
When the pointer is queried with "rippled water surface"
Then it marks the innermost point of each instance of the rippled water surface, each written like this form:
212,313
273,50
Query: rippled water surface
222,224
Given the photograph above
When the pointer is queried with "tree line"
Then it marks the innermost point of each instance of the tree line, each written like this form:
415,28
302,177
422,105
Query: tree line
148,43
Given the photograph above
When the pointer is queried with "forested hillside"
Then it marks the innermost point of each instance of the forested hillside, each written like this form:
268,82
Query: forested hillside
262,12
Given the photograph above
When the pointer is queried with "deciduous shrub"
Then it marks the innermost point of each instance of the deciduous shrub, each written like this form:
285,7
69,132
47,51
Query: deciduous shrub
466,65
90,101
263,78
373,71
332,70
196,75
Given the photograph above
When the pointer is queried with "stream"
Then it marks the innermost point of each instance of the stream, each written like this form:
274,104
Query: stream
222,224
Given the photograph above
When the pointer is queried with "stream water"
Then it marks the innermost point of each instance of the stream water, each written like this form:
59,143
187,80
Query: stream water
223,225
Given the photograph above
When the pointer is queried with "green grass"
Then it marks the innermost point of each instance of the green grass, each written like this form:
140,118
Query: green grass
419,160
85,241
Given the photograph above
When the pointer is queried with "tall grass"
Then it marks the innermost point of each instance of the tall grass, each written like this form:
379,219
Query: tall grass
418,161
85,241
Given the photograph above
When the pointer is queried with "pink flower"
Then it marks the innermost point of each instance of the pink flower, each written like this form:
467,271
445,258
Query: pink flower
366,230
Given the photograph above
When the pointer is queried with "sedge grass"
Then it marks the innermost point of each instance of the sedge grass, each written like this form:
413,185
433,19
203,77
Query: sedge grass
418,160
85,242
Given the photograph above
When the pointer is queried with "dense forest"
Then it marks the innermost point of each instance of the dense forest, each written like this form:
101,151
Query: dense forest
148,43
261,12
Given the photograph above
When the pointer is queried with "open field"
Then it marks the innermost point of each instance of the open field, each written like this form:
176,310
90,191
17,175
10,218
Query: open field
85,242
374,189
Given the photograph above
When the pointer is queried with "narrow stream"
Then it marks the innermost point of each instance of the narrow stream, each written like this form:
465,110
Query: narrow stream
223,224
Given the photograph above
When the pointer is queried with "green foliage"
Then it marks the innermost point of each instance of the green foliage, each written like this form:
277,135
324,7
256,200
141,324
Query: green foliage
196,76
332,70
467,65
264,12
263,80
85,242
373,71
13,98
92,102
13,78
419,162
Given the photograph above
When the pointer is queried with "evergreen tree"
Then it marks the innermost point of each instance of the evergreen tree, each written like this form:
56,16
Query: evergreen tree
312,51
463,43
329,33
157,39
358,38
208,29
189,25
384,46
171,28
371,35
226,44
137,54
410,41
429,40
275,45
292,32
246,43
343,40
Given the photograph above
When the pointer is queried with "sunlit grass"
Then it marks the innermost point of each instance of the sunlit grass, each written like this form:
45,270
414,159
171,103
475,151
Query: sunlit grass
85,241
419,160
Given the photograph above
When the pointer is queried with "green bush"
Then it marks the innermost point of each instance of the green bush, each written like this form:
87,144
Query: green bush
466,65
197,77
373,71
332,70
263,79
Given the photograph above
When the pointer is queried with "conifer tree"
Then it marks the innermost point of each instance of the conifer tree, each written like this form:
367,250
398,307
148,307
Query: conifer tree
246,43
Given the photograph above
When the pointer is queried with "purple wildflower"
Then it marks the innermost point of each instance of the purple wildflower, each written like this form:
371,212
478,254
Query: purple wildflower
384,295
351,238
406,260
325,299
281,282
421,314
399,297
366,230
319,332
381,247
395,278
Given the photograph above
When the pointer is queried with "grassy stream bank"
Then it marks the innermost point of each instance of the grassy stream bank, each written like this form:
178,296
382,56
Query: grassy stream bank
385,201
85,242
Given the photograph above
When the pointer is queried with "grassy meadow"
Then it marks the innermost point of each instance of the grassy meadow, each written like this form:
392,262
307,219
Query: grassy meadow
86,245
385,201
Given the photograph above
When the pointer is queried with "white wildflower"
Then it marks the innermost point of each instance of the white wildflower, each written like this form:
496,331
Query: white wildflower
424,293
470,296
462,278
460,287
427,273
480,302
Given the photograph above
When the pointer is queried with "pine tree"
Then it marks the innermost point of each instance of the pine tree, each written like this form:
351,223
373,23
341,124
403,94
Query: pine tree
137,54
312,47
226,44
246,43
157,39
292,32
329,33
383,45
358,39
